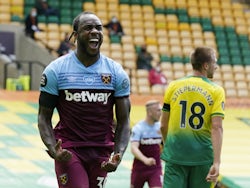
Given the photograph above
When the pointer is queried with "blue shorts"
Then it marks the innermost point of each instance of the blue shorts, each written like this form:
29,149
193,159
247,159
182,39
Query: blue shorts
83,170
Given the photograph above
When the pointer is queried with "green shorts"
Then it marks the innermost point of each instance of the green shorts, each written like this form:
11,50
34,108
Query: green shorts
181,176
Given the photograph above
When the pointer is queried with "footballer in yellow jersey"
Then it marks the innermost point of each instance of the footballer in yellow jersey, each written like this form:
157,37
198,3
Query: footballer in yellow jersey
191,125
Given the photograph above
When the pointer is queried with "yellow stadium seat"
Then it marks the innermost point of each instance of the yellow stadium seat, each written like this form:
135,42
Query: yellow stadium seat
149,32
146,9
215,5
218,21
157,90
127,39
65,28
128,47
138,31
242,29
194,11
184,26
17,10
135,8
205,12
187,41
151,40
113,6
149,24
197,35
101,6
198,42
160,18
170,3
161,33
17,2
195,27
53,27
5,17
5,2
144,90
54,44
181,4
137,16
124,8
5,9
170,18
41,36
229,21
54,35
90,6
243,93
172,26
231,92
187,50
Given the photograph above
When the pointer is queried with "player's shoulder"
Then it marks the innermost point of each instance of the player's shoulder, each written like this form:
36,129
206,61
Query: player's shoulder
109,61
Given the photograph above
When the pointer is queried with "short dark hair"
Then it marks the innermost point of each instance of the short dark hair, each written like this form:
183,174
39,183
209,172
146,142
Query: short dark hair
200,56
77,19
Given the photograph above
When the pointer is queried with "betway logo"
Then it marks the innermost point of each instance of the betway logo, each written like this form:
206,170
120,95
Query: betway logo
86,96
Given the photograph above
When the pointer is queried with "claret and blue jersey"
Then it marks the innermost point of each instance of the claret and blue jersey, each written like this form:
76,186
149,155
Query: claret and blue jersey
86,98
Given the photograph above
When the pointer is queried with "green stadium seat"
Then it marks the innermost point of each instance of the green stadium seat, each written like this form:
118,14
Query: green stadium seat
176,59
65,12
223,51
236,60
194,19
165,58
124,1
16,18
135,2
159,10
77,5
65,4
29,2
223,60
183,18
234,52
66,20
170,11
42,19
115,39
54,4
146,2
246,60
52,19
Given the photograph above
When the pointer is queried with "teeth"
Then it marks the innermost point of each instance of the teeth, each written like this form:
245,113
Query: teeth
93,40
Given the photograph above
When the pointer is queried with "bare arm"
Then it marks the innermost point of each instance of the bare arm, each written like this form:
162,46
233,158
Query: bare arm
122,133
45,128
47,135
140,156
164,125
217,137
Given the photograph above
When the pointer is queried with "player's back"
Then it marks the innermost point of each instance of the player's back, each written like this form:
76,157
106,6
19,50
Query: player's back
193,100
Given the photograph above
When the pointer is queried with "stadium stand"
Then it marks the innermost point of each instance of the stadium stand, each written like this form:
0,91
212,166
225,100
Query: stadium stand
170,28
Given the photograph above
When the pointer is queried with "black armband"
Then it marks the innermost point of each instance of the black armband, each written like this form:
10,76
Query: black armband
48,100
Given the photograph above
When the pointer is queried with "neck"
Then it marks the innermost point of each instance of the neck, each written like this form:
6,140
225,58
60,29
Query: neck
199,73
86,59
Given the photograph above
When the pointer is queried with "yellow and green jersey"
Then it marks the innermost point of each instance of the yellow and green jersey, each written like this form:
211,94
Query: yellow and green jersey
191,101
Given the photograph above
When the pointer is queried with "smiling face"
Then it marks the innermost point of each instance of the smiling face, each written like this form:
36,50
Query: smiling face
89,35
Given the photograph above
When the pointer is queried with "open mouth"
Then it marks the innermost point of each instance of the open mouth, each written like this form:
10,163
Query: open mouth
93,43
